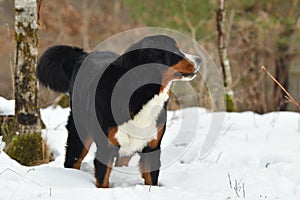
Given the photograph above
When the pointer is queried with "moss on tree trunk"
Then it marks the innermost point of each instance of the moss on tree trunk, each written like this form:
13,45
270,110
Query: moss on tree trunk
28,149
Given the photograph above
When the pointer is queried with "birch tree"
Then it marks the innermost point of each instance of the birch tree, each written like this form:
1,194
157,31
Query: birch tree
27,145
224,60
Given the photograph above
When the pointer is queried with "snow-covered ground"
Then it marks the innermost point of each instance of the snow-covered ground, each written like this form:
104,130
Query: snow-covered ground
256,157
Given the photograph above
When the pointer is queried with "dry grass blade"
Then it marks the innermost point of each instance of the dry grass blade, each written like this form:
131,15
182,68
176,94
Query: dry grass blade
289,97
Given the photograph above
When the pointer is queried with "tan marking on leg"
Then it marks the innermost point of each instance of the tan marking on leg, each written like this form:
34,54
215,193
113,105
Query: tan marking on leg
87,144
106,177
111,136
147,177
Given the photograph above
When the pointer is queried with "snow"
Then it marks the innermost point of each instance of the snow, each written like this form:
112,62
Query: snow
256,156
7,106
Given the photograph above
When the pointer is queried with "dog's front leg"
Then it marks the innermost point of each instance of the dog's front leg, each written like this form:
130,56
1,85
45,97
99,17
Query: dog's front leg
103,166
150,164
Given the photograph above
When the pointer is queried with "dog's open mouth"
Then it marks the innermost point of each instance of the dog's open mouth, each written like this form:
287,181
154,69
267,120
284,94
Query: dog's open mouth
188,74
185,75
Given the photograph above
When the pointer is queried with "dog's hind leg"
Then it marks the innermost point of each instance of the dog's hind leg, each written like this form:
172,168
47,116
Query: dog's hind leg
77,146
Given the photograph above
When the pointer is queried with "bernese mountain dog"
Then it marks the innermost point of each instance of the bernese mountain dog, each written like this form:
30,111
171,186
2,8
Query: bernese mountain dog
57,69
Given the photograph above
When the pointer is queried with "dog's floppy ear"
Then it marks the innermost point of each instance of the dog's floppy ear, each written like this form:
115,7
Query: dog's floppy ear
147,51
148,42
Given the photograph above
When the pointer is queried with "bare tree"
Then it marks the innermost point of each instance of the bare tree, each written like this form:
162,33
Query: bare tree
225,63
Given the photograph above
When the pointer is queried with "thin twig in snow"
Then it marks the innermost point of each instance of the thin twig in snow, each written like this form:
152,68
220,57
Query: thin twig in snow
236,188
229,179
244,191
228,128
219,156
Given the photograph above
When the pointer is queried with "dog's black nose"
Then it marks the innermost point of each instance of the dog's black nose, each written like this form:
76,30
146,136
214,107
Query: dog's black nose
198,60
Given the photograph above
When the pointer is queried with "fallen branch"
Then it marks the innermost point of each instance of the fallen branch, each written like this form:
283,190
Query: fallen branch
288,96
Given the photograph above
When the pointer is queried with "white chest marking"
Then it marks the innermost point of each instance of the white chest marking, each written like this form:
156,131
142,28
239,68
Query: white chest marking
135,134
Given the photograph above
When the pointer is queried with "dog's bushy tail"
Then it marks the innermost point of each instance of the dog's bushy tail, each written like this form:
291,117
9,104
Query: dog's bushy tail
55,66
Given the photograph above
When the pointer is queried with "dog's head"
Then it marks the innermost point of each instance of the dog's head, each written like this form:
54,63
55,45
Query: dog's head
161,49
147,68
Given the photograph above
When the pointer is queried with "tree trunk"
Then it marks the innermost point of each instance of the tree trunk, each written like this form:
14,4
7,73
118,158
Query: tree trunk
225,63
281,74
283,59
283,62
27,146
26,88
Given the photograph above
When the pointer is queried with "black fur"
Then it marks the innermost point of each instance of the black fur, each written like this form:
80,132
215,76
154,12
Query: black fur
74,143
57,69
